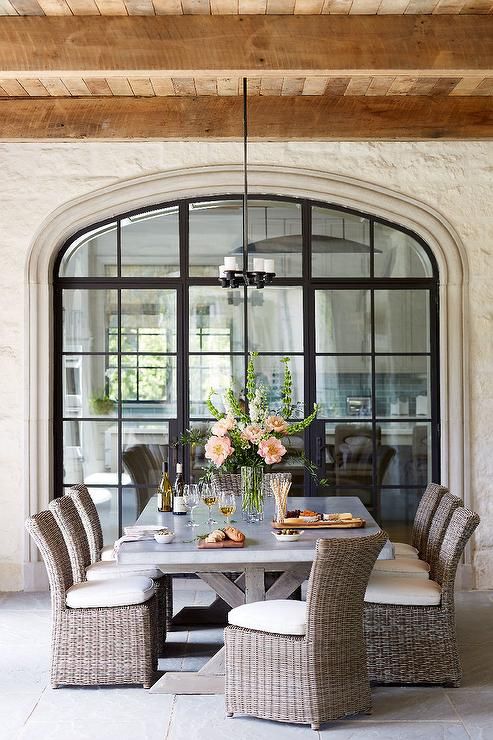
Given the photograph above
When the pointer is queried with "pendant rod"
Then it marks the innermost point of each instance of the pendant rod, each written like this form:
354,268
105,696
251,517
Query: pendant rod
245,178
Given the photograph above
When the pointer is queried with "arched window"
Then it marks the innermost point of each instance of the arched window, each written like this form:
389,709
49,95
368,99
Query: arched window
143,331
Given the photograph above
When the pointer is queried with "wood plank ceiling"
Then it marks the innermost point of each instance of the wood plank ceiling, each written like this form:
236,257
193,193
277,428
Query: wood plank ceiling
57,55
236,7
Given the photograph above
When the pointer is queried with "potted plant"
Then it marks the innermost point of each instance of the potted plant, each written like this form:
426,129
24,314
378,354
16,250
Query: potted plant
101,404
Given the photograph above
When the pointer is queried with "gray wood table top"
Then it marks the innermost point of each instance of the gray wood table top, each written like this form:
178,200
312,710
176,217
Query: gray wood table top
260,546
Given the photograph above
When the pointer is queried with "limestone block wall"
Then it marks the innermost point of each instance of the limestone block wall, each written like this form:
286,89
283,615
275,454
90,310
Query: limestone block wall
36,179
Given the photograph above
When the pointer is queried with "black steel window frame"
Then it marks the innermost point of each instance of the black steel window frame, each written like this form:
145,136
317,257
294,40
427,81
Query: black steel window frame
306,281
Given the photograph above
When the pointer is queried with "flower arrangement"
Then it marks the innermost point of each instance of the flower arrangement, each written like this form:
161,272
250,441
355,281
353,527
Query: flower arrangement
250,434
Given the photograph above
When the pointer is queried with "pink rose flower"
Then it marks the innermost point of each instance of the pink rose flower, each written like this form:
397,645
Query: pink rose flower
222,426
271,450
253,433
218,449
276,424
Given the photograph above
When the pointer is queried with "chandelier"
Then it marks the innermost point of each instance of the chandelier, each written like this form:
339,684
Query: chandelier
231,275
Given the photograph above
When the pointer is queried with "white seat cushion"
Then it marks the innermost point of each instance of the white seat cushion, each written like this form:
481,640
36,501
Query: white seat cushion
402,548
107,553
281,616
105,569
405,567
113,592
407,591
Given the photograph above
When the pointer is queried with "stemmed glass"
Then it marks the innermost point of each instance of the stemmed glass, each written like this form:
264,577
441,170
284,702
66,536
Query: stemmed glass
227,505
191,499
209,498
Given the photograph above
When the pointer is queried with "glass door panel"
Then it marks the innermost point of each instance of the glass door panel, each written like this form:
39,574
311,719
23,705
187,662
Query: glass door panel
344,386
275,319
402,321
342,321
275,233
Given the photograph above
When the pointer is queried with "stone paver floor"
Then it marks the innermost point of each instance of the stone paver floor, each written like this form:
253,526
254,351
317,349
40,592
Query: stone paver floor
30,709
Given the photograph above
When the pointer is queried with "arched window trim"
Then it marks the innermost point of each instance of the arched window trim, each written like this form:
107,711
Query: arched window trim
329,188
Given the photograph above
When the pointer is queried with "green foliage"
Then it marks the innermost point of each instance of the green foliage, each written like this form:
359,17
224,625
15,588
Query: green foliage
212,409
234,405
286,390
193,437
251,382
300,426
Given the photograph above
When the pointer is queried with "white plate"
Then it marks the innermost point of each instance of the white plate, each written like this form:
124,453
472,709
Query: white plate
287,537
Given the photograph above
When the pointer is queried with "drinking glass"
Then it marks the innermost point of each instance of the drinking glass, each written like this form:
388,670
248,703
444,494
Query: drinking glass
227,505
209,498
191,498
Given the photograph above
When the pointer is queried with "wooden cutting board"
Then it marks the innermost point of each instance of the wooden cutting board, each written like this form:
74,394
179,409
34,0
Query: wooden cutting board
353,523
203,545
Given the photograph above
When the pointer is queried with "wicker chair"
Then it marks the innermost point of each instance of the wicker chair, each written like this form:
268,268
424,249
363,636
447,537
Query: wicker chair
90,519
422,521
92,525
410,623
317,676
438,528
98,645
68,519
231,482
414,567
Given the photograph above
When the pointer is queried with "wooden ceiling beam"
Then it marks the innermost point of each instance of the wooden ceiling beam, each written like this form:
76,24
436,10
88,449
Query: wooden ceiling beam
270,118
216,46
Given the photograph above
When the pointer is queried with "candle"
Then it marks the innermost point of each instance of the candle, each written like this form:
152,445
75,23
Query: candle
269,266
258,264
222,270
230,263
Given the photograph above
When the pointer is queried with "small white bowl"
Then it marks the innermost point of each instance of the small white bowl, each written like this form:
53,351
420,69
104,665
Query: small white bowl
280,537
164,539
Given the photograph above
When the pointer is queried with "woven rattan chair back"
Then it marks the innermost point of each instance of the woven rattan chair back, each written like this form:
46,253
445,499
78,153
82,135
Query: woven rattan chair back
336,590
67,517
231,483
424,514
50,542
441,518
461,526
90,519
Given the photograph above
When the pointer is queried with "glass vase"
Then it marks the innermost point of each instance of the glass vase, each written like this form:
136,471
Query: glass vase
252,493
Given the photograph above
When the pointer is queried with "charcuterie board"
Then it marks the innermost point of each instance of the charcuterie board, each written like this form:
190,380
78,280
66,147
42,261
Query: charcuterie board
203,545
292,523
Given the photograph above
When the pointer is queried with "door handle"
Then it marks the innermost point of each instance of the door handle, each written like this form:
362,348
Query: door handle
319,447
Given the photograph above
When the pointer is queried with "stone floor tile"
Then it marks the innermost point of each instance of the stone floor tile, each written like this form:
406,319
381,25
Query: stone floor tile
204,718
409,703
19,627
475,709
92,703
15,709
24,667
477,665
102,729
349,730
25,600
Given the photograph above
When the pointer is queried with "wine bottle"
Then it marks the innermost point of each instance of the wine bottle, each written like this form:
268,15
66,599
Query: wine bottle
178,501
164,491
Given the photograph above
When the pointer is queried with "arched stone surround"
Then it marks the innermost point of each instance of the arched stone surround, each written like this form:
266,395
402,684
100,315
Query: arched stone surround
213,180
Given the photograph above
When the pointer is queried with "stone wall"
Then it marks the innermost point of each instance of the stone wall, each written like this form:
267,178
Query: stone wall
454,178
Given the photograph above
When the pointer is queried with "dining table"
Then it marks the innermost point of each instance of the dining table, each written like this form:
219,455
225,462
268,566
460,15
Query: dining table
264,568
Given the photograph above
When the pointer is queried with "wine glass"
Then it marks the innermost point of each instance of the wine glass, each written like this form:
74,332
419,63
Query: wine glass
209,498
191,499
227,505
